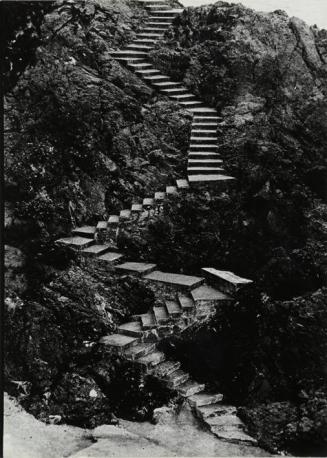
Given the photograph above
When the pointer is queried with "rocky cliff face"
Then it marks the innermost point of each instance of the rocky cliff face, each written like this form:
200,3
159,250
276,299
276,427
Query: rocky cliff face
84,135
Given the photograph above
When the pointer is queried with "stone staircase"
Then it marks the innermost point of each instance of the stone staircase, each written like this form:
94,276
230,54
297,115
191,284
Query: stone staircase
184,301
101,240
204,162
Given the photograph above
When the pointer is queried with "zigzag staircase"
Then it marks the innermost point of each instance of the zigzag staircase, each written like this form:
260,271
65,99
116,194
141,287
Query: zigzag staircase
183,300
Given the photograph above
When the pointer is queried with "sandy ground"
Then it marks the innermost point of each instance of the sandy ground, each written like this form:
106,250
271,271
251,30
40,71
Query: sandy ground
26,437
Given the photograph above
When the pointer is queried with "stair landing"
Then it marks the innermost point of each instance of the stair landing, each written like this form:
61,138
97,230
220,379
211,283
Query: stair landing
184,281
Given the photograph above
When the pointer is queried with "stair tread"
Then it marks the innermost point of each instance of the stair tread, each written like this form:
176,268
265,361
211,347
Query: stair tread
206,292
224,420
160,313
152,358
118,340
148,201
75,241
96,249
217,408
172,278
182,183
202,399
131,326
148,320
137,267
190,387
113,219
214,168
85,230
214,177
166,367
173,307
111,256
205,161
139,350
236,436
186,302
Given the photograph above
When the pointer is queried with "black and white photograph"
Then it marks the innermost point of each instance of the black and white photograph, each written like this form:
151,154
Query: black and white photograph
164,236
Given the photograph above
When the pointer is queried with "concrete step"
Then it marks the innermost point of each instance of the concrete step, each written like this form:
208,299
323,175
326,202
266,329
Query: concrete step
102,226
204,133
148,72
161,315
204,125
131,54
223,421
205,118
168,19
140,47
204,140
182,184
221,180
159,196
148,202
125,214
85,231
139,350
130,60
165,368
153,33
152,359
144,41
211,410
119,342
190,388
132,329
148,321
203,155
234,436
77,243
171,190
156,78
167,13
111,257
205,293
137,208
189,105
204,399
96,250
174,90
186,302
205,111
136,268
203,148
186,282
227,281
204,162
204,170
173,308
170,88
156,24
113,220
184,97
140,65
177,378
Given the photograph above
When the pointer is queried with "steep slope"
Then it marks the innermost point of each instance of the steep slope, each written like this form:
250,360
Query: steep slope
270,344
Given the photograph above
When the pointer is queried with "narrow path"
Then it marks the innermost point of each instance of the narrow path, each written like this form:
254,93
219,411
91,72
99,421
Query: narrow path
183,300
